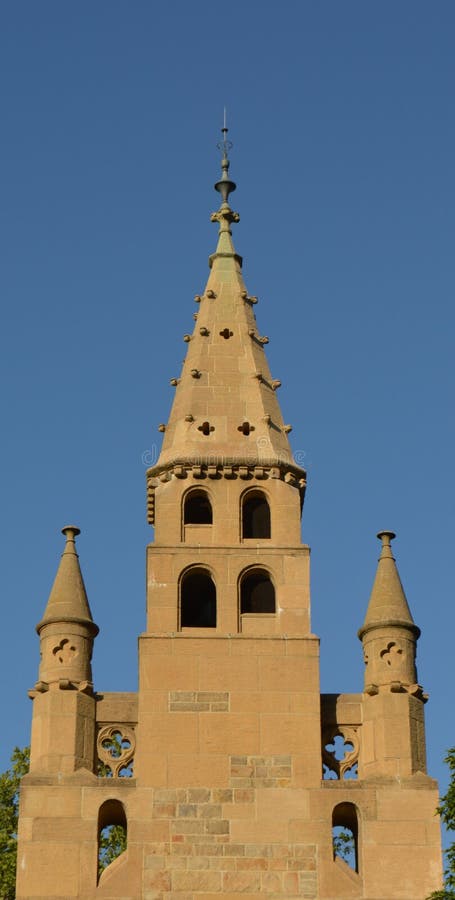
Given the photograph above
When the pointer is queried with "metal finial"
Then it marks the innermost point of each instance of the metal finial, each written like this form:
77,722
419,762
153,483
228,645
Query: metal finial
224,145
225,186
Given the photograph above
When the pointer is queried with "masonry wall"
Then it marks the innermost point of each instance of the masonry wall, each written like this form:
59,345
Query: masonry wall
227,797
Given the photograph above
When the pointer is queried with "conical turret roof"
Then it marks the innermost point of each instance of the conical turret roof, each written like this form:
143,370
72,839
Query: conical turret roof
388,604
68,598
225,409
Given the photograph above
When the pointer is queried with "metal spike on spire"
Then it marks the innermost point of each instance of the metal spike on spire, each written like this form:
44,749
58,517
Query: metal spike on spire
225,186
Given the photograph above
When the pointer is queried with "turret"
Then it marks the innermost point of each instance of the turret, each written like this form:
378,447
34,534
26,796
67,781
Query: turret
389,635
63,717
393,708
67,629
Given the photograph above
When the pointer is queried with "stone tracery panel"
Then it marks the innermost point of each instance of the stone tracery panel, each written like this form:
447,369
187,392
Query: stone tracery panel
341,735
340,757
116,745
65,651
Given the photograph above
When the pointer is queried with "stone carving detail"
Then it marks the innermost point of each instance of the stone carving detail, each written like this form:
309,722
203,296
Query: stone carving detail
115,746
150,502
246,428
65,652
187,470
340,752
245,296
392,655
206,428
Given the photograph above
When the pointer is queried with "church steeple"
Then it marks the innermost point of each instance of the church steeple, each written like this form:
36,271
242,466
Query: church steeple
228,738
226,412
225,480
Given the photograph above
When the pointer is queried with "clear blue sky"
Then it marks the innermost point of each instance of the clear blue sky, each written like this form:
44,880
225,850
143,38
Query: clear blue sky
342,118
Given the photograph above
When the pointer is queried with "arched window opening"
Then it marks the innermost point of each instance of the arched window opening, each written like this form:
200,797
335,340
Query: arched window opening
112,833
257,593
255,516
197,600
197,509
345,835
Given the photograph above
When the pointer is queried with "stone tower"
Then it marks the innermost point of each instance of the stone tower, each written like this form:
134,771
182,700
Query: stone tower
228,770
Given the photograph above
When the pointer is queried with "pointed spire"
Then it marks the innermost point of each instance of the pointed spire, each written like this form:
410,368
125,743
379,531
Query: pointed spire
226,414
388,604
68,598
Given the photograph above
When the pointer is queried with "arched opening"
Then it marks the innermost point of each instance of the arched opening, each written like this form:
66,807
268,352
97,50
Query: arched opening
197,599
197,509
345,834
255,515
112,833
257,593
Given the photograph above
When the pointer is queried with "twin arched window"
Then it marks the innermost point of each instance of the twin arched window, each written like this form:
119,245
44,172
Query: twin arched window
197,587
255,512
198,596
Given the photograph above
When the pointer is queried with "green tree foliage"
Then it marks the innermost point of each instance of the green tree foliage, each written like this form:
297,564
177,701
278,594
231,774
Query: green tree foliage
446,810
112,844
343,845
9,814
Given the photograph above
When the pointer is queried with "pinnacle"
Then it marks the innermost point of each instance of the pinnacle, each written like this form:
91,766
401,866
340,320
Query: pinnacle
68,598
388,604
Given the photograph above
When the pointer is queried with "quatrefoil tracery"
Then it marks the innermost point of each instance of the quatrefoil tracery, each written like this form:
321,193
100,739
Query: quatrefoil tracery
392,655
345,766
116,745
65,651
